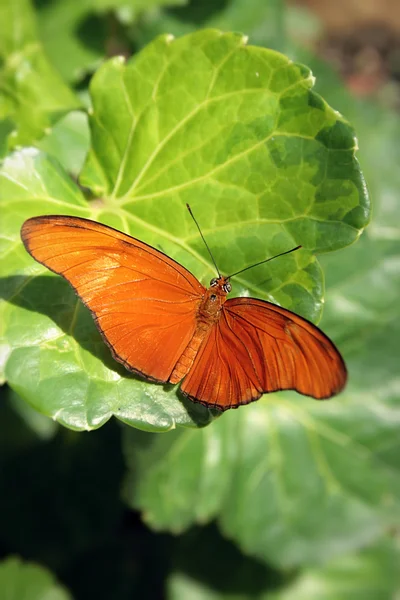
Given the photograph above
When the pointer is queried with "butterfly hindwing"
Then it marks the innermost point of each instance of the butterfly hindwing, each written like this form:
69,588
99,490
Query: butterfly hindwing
259,347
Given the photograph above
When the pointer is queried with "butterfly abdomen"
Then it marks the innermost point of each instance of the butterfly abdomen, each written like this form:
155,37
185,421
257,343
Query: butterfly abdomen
185,362
208,314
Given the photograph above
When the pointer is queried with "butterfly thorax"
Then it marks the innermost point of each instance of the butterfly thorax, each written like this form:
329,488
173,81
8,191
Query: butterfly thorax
208,313
215,297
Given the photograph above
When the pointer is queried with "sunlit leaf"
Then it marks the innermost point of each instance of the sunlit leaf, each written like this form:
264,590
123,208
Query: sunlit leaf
235,131
68,141
32,94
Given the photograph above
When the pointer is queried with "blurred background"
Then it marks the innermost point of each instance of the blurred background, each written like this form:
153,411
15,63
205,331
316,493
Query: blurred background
361,41
64,527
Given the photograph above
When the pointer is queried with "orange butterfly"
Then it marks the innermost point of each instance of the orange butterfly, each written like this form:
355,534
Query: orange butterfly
162,323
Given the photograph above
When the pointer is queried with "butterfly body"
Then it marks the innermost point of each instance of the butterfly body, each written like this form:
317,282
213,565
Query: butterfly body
162,323
208,314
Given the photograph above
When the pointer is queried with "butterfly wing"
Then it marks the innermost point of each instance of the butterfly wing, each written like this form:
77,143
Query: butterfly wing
143,302
258,347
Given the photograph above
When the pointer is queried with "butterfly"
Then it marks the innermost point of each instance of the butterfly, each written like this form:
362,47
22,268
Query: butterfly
161,323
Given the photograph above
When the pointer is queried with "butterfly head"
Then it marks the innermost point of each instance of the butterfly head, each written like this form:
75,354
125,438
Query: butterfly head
222,284
215,298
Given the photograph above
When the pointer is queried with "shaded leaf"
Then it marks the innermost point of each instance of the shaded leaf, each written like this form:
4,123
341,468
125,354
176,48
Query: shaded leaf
227,574
43,427
27,581
303,483
370,575
79,35
263,22
187,477
73,35
22,427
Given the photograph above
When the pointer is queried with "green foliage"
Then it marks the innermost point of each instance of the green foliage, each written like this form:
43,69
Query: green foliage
340,459
307,493
329,473
262,21
371,575
32,93
75,34
27,581
233,130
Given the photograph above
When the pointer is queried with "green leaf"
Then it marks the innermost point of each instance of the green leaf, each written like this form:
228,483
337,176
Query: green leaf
73,35
21,426
231,576
79,35
370,575
310,480
43,427
27,581
32,94
213,117
187,477
233,130
134,5
262,21
68,141
299,484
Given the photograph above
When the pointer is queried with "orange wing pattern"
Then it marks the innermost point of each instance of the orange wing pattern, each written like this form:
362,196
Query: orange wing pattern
258,347
143,302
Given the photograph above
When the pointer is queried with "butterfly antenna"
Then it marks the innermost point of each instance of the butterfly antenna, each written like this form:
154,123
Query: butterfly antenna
203,238
263,261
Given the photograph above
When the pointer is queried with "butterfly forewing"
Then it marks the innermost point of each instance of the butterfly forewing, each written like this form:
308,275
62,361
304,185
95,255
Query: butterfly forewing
144,303
259,347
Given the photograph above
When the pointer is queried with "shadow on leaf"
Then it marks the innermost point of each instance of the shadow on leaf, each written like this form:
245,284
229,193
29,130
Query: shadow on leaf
54,298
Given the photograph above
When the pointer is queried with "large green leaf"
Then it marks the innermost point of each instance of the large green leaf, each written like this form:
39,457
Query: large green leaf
205,566
292,482
308,480
32,94
68,141
235,131
370,575
27,581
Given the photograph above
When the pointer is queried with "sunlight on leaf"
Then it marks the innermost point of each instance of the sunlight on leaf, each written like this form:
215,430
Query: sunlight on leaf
233,129
32,94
